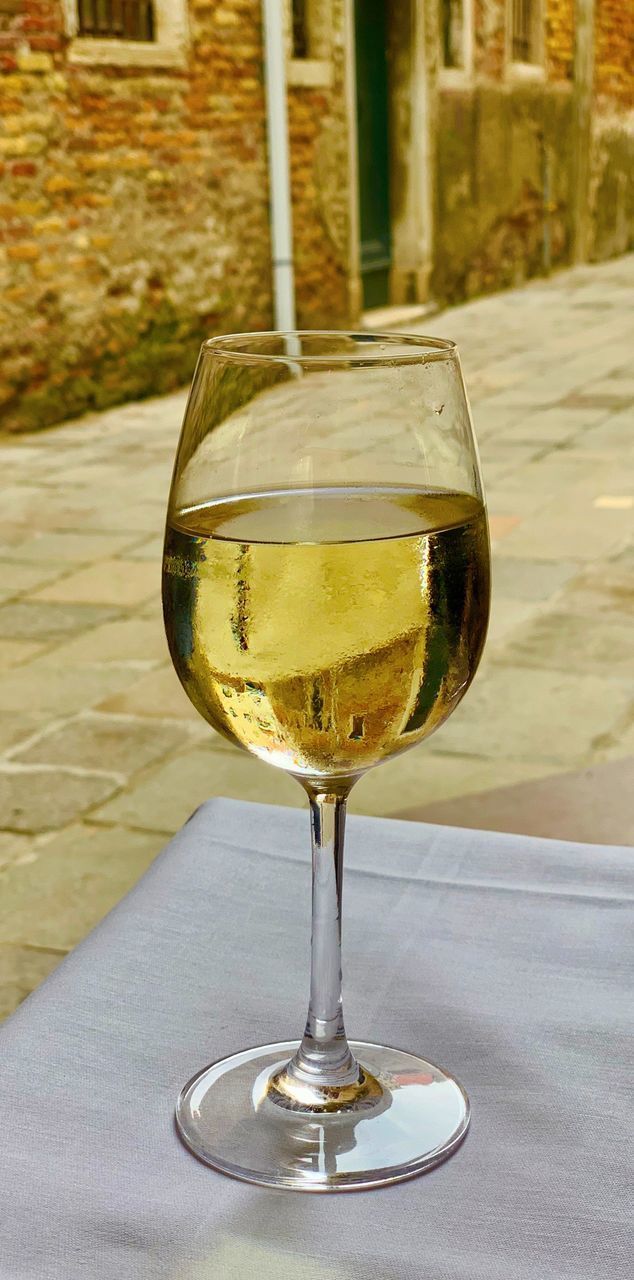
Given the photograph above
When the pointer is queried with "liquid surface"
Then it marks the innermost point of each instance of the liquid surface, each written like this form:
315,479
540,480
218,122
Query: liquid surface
325,630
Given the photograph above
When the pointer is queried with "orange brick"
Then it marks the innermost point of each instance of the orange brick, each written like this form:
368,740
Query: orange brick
25,252
60,182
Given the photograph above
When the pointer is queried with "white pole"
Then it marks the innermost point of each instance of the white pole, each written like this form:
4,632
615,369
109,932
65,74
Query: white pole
278,160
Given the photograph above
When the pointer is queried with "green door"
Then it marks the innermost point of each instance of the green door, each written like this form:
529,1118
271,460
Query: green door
374,184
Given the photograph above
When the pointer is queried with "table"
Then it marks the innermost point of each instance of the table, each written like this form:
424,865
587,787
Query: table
501,957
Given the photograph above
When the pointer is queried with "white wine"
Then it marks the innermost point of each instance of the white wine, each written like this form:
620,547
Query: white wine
327,629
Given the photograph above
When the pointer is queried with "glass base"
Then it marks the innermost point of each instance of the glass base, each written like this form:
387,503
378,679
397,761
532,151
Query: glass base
227,1115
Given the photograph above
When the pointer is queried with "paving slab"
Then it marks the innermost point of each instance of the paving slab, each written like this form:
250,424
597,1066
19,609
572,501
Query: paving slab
41,799
599,532
71,882
598,643
165,798
556,426
589,806
70,546
118,745
15,652
114,582
42,620
17,577
427,774
507,618
21,970
549,716
54,690
619,743
159,693
19,725
603,590
148,549
128,640
14,847
609,437
518,578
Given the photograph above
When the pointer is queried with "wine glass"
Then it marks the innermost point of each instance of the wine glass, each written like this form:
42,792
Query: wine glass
326,597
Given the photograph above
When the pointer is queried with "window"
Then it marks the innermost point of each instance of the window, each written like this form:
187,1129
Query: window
299,29
127,33
526,36
451,33
521,32
456,41
116,19
309,34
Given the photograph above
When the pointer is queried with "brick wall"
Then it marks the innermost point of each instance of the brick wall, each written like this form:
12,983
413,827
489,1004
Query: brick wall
614,54
134,211
319,229
318,140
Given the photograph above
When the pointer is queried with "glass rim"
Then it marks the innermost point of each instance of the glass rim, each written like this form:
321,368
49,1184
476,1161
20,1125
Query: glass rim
242,348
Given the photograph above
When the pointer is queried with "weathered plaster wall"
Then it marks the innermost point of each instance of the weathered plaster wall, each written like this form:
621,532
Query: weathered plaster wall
611,193
497,152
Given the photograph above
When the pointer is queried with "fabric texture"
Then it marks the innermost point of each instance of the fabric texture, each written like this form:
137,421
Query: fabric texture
500,957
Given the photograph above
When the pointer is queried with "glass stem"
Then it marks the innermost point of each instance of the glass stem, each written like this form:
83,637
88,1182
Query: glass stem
323,1059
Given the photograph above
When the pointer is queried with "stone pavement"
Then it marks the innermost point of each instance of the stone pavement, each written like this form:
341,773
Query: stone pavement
102,756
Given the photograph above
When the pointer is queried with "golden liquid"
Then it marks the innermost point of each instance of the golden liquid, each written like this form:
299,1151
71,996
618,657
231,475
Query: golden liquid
325,630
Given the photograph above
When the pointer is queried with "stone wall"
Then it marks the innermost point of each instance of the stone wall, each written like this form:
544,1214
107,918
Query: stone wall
134,210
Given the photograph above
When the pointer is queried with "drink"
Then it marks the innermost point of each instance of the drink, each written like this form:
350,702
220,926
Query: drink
326,630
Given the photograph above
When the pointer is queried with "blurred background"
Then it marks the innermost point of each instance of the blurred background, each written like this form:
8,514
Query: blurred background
458,167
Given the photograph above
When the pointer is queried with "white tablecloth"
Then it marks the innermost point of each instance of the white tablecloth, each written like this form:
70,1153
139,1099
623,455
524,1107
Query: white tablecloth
498,956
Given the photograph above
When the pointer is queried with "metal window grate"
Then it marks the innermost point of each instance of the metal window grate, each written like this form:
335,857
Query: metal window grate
300,29
522,44
116,19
